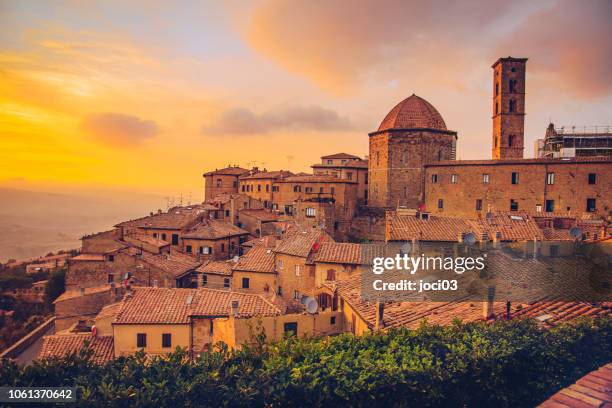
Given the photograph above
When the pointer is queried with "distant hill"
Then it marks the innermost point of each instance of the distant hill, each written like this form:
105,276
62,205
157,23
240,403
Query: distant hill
35,223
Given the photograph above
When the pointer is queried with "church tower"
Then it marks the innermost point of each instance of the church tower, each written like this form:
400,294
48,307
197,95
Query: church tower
508,108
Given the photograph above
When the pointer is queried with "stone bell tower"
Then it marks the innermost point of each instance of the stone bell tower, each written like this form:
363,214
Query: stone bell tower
508,108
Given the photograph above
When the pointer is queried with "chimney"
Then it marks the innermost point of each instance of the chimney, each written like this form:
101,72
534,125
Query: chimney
487,305
234,305
380,314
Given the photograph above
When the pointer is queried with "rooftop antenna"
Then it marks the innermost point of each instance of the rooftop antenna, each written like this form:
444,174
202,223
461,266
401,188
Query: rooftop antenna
181,200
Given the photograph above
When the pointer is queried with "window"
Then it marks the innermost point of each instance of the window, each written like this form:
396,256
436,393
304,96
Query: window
297,189
478,204
280,291
321,190
275,189
163,237
330,162
439,155
332,190
309,189
111,278
218,182
512,105
211,327
243,188
496,108
331,275
539,208
267,188
485,178
514,205
204,279
111,258
297,270
550,178
188,249
592,178
227,213
591,207
155,235
496,88
245,283
434,178
512,85
296,294
259,188
226,282
166,340
311,212
510,140
349,176
515,177
332,320
550,205
141,340
222,247
454,178
290,328
174,239
440,203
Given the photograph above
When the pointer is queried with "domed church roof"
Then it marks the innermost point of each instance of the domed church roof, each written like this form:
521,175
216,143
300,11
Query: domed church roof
413,112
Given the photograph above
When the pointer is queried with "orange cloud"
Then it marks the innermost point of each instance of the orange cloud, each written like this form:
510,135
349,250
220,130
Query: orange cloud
117,129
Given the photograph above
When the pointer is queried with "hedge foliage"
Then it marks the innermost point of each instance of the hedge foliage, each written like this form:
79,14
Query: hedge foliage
503,364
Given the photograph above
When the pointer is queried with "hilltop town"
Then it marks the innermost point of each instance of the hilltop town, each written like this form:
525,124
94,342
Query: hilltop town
284,250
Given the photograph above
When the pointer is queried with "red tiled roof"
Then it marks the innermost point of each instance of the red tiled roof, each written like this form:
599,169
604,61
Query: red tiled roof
175,306
217,268
260,258
266,175
62,345
214,229
268,240
176,263
413,112
148,239
336,252
227,171
300,242
176,218
359,164
511,226
88,257
260,214
592,390
71,294
340,156
109,311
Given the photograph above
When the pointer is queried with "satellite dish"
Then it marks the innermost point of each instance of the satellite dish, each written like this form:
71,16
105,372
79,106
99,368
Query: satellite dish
575,232
306,299
312,306
469,238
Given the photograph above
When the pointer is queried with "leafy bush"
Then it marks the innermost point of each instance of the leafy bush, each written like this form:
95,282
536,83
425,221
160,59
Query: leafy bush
503,364
56,285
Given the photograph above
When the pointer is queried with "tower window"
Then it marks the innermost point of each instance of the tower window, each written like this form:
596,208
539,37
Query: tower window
478,204
485,178
550,205
496,108
245,283
513,69
439,155
434,178
512,105
512,85
454,178
510,140
550,178
496,88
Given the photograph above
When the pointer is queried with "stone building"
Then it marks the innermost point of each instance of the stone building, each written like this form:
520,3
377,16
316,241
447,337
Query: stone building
411,135
471,187
259,185
213,240
574,141
508,108
222,181
346,166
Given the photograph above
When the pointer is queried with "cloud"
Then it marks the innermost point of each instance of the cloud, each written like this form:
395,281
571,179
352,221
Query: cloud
570,43
117,129
342,45
243,121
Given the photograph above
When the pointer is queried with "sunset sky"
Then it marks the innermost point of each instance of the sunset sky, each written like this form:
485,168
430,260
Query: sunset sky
145,96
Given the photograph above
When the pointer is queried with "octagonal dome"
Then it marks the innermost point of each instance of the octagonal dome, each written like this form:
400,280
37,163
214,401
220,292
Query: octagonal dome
413,112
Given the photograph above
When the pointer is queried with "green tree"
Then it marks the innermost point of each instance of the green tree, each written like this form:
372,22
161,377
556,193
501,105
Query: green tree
55,286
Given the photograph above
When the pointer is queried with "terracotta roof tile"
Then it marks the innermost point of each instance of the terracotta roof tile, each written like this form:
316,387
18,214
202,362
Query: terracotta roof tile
260,214
300,242
175,306
592,390
109,311
62,345
413,112
346,253
88,257
147,239
341,156
175,263
267,175
71,294
217,268
214,229
227,171
260,258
